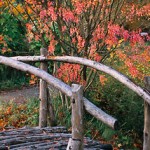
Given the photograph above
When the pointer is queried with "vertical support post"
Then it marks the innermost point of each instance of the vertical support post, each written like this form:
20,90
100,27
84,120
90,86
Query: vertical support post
76,142
146,143
43,93
51,115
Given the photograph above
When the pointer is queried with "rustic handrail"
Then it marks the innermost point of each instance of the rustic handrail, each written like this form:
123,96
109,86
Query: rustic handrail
92,109
98,113
146,133
76,140
101,67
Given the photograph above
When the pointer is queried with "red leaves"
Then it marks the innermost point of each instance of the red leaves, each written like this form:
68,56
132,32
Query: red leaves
98,33
51,47
43,14
81,42
69,73
68,15
135,38
51,13
79,7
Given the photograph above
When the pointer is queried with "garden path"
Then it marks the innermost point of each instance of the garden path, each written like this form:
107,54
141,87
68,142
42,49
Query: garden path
20,95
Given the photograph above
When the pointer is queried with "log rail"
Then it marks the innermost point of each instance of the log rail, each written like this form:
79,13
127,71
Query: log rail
75,143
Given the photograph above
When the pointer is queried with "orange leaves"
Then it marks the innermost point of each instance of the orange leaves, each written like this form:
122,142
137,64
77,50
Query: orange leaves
1,3
33,80
51,47
130,65
102,79
11,115
2,124
69,73
29,26
18,115
146,54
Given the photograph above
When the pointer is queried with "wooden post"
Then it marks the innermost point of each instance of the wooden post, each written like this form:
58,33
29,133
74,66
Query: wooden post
51,115
76,142
146,143
43,93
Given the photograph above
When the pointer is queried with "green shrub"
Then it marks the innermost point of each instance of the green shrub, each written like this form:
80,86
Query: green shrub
19,115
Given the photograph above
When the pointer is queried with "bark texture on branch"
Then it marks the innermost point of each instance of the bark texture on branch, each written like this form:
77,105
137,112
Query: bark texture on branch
77,117
100,114
42,139
146,143
43,93
56,83
38,72
51,113
93,64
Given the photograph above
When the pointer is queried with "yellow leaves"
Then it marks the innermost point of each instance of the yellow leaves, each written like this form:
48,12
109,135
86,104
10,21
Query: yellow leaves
17,10
29,10
120,41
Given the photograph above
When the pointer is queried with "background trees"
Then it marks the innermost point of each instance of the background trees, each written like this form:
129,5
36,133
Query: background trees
102,30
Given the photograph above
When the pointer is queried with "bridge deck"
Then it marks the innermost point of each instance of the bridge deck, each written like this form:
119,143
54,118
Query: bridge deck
48,138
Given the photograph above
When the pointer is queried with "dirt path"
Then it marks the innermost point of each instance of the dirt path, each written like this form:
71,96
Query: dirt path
20,96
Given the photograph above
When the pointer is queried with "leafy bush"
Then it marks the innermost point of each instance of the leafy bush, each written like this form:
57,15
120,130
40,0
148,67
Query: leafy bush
19,115
124,104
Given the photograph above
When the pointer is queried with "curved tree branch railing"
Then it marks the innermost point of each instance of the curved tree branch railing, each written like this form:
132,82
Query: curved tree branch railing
98,66
91,108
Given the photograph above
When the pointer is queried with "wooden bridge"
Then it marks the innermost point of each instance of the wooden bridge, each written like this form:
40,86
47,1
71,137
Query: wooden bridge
41,137
46,138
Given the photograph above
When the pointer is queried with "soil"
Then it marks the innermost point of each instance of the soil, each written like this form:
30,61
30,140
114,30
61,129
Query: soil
20,95
25,93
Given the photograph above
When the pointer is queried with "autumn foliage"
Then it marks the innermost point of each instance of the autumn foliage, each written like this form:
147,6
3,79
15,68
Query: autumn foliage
18,115
100,30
